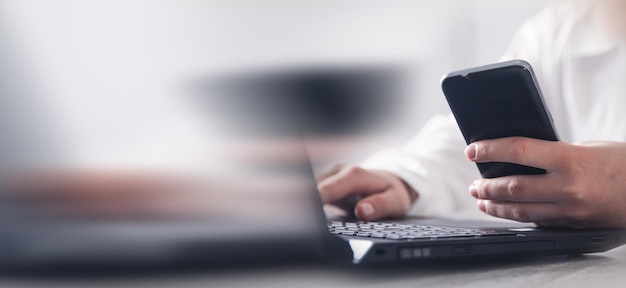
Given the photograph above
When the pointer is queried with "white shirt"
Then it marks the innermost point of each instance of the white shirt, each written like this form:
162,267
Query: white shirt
582,73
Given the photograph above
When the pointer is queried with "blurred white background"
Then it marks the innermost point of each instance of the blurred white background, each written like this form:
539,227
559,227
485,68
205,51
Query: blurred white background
108,77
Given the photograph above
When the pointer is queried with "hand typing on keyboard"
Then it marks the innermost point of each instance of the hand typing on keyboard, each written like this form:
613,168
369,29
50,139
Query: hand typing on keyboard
375,194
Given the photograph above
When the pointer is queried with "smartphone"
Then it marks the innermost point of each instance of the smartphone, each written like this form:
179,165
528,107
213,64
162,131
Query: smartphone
496,101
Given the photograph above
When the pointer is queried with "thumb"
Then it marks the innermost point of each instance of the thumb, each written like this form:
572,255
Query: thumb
389,204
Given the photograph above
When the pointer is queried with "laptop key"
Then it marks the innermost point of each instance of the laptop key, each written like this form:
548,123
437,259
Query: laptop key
395,236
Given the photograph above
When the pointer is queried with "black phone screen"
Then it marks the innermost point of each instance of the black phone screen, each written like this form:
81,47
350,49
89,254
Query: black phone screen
496,103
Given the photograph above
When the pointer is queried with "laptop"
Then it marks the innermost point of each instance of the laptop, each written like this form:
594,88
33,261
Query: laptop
290,223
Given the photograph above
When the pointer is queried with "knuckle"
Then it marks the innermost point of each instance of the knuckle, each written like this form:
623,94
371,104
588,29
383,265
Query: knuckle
484,191
575,195
489,208
515,189
352,170
520,214
518,149
579,197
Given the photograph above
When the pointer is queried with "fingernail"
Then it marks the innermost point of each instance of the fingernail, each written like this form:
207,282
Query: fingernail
481,205
471,151
365,210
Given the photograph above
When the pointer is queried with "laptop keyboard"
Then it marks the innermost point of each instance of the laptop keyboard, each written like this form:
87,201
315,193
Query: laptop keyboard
395,231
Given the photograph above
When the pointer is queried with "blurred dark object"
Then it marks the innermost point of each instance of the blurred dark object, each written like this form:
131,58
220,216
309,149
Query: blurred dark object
314,101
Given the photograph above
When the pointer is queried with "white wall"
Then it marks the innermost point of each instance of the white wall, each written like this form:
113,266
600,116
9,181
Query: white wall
428,38
94,59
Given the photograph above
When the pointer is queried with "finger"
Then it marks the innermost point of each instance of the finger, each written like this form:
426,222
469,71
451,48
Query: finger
522,212
519,188
350,181
388,204
520,150
329,172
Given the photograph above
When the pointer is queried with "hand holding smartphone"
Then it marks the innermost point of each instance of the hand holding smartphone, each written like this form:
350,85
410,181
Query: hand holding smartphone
496,101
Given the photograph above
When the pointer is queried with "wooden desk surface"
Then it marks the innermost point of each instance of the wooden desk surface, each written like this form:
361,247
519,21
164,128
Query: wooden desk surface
595,270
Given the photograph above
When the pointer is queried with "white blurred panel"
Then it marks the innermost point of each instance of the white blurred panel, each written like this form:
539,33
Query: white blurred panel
115,71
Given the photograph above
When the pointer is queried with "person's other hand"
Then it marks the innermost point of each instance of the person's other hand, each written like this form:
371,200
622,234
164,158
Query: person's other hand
585,184
380,194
